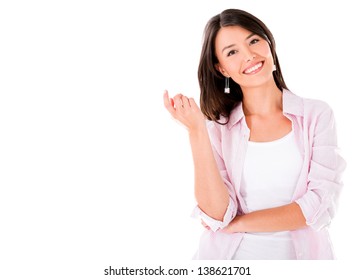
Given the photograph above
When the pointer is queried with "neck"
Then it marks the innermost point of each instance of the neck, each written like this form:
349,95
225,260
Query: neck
262,100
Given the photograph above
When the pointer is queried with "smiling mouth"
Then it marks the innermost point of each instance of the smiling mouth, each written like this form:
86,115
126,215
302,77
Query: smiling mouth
254,69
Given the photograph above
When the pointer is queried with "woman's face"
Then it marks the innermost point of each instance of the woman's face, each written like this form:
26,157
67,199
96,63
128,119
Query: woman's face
243,56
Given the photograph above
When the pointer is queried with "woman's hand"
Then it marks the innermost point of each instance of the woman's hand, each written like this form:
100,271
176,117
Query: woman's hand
232,227
185,111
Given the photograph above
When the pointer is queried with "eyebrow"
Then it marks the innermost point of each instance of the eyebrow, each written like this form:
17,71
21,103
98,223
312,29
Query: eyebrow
232,45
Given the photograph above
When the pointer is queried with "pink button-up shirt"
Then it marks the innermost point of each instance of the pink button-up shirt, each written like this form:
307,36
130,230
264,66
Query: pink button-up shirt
317,189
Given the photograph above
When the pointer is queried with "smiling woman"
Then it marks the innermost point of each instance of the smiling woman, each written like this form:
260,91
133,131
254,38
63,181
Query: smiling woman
267,171
246,56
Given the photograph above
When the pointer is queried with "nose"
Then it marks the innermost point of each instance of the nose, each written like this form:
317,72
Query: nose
248,55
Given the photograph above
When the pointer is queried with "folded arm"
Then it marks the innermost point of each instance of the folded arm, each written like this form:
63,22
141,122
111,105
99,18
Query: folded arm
282,218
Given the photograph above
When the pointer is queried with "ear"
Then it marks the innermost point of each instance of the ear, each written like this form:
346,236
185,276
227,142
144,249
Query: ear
221,70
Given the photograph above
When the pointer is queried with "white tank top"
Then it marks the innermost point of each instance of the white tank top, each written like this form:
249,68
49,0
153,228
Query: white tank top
270,174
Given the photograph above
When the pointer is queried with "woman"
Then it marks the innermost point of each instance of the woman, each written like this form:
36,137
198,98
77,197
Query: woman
267,171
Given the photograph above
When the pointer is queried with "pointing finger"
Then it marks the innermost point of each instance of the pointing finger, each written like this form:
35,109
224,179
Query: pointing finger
168,103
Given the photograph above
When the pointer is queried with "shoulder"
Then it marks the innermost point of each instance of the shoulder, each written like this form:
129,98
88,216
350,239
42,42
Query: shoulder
214,128
219,125
316,106
218,129
317,113
307,106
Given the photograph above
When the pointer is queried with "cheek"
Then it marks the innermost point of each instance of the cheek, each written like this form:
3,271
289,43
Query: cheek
265,51
234,64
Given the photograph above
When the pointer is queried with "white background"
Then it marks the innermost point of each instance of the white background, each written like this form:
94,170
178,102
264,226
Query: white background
93,170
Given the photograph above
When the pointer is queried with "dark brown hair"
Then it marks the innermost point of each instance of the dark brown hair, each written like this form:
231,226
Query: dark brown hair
214,102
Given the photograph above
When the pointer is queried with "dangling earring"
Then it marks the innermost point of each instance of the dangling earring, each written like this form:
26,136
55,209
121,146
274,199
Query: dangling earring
274,67
227,85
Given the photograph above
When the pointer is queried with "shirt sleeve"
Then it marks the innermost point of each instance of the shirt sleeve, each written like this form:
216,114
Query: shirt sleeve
230,213
319,203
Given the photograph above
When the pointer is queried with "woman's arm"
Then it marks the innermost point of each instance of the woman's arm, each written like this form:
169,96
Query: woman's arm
287,217
210,191
319,203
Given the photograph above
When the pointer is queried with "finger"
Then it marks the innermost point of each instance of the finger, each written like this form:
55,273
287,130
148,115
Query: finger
178,102
177,99
168,103
185,102
193,104
166,99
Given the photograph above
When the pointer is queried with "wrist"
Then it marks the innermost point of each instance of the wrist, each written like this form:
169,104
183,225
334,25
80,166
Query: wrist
237,224
198,131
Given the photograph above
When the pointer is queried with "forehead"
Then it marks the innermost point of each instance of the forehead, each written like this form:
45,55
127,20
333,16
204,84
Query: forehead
231,35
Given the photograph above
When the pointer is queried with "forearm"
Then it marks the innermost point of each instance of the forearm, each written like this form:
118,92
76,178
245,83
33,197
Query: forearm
211,193
287,217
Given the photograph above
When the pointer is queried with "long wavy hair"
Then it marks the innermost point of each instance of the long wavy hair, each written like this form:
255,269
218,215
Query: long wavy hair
214,102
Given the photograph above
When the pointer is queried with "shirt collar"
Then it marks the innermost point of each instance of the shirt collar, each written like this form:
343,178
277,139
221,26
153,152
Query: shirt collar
292,104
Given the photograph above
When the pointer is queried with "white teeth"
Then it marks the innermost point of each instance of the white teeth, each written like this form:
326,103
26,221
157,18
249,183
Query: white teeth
254,68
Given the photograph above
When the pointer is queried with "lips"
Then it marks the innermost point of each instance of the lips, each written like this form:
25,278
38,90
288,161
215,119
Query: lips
254,68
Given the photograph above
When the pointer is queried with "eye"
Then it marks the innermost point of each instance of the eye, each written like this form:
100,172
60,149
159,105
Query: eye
232,52
254,41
